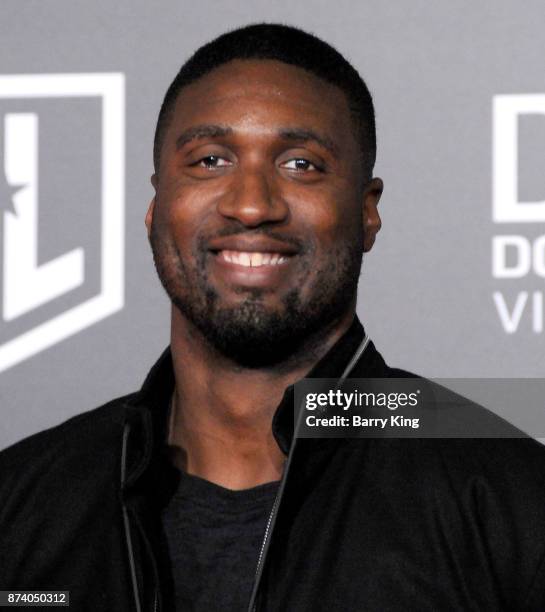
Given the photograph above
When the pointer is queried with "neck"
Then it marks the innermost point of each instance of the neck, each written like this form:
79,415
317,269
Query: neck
220,425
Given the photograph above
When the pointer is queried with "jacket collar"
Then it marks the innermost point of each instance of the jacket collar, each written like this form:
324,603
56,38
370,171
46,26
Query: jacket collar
331,365
147,413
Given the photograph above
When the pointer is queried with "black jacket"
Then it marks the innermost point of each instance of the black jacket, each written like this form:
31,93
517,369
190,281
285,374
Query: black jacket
371,525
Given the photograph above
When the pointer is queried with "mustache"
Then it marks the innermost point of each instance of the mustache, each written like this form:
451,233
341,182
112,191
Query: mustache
300,245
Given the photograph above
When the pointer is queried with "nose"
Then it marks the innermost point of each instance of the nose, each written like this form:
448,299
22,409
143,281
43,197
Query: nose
253,200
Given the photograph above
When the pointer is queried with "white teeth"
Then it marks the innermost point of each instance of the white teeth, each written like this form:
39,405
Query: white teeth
256,259
253,259
245,259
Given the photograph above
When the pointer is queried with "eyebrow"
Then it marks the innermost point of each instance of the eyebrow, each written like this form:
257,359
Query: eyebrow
202,131
301,135
307,135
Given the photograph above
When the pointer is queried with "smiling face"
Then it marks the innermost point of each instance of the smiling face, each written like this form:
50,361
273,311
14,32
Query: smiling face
261,214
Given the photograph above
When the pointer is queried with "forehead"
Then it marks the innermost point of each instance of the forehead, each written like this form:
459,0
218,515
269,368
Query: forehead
261,95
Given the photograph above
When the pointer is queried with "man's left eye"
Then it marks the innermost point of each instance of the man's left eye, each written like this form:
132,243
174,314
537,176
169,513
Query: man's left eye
299,164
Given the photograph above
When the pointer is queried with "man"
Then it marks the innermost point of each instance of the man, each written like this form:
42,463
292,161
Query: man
194,493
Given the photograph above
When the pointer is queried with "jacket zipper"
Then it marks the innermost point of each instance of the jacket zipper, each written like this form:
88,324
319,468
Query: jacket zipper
268,531
128,536
126,523
274,511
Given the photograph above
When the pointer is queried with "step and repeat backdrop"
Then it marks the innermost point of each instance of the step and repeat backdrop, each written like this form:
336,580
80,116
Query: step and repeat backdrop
455,285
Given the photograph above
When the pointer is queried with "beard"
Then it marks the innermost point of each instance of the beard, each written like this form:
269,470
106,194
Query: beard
250,333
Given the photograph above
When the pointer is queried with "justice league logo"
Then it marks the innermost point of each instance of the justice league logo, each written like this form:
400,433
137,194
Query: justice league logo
61,207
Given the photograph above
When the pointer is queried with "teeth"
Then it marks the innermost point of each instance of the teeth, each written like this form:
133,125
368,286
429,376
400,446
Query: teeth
256,259
253,259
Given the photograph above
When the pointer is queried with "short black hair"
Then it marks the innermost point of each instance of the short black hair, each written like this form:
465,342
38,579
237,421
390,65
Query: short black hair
288,45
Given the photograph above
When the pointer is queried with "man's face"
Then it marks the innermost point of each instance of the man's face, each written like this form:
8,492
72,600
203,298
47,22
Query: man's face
260,213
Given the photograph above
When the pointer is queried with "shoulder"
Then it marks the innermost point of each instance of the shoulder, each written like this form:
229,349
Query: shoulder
82,428
78,449
498,460
493,486
59,490
510,465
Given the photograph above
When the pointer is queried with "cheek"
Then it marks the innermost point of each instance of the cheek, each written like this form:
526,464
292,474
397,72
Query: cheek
179,218
331,222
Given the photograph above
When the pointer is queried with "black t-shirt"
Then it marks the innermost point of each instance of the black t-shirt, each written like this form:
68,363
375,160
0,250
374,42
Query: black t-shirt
214,536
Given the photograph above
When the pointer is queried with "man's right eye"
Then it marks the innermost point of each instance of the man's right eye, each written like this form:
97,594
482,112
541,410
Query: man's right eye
211,162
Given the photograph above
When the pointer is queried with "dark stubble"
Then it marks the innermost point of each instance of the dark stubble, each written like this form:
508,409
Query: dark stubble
252,334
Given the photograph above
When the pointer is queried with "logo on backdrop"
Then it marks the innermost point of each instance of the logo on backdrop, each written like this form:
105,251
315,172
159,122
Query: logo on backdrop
61,207
518,252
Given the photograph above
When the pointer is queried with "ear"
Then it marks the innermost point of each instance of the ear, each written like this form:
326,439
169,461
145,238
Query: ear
149,216
371,218
151,207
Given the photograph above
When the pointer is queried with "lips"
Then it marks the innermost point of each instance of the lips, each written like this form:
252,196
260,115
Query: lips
253,261
246,246
251,269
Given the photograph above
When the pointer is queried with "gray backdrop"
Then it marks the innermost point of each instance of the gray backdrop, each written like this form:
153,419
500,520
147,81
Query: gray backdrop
427,289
